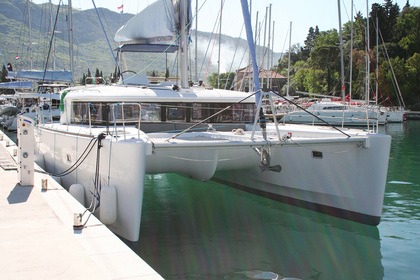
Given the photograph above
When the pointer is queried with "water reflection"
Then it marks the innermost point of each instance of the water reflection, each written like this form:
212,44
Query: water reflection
193,230
402,197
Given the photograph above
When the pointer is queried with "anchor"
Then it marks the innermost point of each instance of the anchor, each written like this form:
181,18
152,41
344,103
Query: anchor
265,161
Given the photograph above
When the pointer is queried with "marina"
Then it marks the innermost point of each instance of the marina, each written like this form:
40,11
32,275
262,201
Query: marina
244,150
126,177
39,241
206,230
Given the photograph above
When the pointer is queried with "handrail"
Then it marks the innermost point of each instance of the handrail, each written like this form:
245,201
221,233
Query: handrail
113,105
123,117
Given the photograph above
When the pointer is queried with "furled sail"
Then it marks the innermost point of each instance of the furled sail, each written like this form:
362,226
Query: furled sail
16,85
154,25
178,4
46,76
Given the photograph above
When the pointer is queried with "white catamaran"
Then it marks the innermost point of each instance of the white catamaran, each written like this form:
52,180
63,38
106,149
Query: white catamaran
110,136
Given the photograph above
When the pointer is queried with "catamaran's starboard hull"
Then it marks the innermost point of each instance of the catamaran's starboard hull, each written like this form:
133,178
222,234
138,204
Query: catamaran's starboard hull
341,177
348,181
121,165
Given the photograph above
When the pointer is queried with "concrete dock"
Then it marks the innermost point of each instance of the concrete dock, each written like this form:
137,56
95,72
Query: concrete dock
37,236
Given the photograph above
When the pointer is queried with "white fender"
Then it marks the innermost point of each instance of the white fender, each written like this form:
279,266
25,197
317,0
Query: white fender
108,205
78,192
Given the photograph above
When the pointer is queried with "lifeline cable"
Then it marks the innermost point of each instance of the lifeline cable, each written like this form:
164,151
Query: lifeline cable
300,107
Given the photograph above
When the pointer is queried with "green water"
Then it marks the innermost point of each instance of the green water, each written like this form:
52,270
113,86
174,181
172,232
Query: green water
194,230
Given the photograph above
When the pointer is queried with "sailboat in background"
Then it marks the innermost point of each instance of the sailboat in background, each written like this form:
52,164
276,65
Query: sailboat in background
40,98
394,114
341,112
110,136
45,75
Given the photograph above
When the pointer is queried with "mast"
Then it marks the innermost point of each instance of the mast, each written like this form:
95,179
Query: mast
196,40
288,62
183,45
30,35
70,23
343,87
220,39
264,49
272,53
268,46
250,84
51,29
377,62
367,53
248,28
351,53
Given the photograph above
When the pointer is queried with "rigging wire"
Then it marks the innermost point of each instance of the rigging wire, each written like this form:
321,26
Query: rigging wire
207,50
51,43
215,114
322,120
234,56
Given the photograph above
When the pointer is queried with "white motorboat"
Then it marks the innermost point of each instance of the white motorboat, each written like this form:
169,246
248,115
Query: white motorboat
110,136
42,107
336,113
396,114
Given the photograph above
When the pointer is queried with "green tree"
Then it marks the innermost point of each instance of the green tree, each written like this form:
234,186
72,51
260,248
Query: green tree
4,74
315,67
408,30
412,95
226,80
387,15
309,42
325,56
83,79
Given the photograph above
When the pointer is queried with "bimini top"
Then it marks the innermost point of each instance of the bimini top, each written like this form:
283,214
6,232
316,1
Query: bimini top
120,93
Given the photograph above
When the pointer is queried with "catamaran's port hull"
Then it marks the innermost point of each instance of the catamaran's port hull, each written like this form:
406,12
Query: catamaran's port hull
120,164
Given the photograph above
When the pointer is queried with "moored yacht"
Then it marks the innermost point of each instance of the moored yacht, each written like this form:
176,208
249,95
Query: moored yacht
340,172
110,136
337,113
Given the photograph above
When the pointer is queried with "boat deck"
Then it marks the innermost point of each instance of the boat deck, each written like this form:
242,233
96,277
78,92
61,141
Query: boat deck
38,240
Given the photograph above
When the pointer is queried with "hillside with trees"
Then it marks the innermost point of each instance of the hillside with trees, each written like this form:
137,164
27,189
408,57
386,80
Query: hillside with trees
91,49
315,67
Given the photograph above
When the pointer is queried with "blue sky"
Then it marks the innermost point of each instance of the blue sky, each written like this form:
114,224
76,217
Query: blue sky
302,13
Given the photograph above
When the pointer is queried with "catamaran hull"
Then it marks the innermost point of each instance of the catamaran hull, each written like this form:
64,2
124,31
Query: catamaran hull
340,177
121,165
346,180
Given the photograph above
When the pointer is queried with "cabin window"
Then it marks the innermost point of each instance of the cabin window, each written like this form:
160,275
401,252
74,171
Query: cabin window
176,112
333,108
103,113
243,112
150,112
237,113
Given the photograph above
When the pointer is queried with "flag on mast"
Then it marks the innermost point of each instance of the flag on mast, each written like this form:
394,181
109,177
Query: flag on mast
121,8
